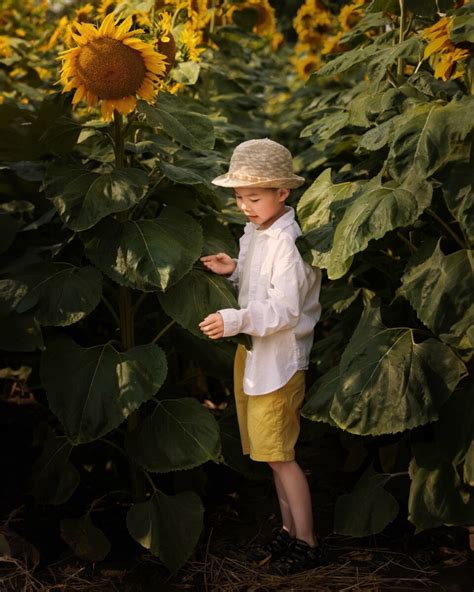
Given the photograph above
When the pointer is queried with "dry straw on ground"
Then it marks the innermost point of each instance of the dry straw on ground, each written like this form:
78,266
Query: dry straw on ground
231,575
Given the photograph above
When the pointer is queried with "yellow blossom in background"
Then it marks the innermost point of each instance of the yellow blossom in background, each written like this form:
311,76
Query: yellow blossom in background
351,14
265,24
312,21
20,32
111,65
59,32
5,48
84,13
105,7
331,44
189,38
444,56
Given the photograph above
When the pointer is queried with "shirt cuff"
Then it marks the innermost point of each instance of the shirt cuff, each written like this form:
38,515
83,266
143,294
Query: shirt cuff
234,276
230,316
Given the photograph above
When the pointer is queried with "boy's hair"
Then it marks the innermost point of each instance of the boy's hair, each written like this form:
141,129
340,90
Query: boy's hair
260,163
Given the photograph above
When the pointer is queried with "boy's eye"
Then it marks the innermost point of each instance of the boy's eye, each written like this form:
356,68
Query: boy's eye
254,200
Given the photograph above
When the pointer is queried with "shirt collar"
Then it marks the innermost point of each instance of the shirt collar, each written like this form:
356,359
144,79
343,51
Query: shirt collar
280,223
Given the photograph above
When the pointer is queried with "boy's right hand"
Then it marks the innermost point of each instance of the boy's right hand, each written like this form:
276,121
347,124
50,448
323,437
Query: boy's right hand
221,263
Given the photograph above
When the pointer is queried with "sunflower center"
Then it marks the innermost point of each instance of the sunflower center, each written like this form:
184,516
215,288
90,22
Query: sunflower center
110,69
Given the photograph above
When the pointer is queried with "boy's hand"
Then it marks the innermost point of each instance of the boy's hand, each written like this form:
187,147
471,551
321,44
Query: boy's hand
213,326
221,263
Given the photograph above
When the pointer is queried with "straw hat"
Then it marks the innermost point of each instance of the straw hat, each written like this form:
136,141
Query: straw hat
260,163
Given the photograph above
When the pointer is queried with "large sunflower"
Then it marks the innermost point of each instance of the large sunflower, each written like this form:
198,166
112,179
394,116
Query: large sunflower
111,65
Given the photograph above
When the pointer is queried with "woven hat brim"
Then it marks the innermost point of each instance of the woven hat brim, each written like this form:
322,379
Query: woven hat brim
228,180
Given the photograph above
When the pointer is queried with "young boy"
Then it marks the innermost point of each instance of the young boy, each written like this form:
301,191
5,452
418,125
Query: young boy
279,307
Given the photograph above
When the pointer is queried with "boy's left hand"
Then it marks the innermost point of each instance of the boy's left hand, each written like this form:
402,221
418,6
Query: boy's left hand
213,326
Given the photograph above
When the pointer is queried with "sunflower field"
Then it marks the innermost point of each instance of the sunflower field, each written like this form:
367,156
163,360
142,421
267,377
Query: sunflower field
116,411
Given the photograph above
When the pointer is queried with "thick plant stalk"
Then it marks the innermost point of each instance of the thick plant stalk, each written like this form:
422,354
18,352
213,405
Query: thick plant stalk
401,38
127,324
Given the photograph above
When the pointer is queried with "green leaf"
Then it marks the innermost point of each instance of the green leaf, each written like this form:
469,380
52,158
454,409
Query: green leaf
168,525
437,496
217,238
454,431
54,477
462,29
189,128
83,197
20,333
181,175
374,210
367,509
440,289
425,140
179,434
388,383
186,72
194,297
146,254
319,210
9,227
59,294
86,540
457,192
92,390
320,396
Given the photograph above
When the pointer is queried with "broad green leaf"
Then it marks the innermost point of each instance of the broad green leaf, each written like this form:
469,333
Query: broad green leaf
168,525
9,227
83,197
388,55
462,29
437,496
457,192
179,434
182,175
367,509
375,209
191,129
92,390
379,136
427,137
86,540
325,127
319,210
217,238
347,60
186,72
146,254
320,396
59,294
194,297
454,431
20,333
440,289
54,477
388,383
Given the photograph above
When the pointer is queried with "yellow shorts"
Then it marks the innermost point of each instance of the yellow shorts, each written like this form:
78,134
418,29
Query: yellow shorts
269,424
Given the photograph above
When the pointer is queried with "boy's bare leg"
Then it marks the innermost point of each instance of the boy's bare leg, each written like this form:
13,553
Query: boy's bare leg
296,493
286,517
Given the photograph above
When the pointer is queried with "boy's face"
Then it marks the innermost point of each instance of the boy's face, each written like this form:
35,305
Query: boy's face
262,206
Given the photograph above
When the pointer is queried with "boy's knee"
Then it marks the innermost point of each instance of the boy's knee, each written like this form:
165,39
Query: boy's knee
280,465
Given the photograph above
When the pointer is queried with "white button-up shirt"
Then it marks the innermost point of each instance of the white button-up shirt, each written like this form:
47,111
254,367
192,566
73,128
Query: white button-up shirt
279,302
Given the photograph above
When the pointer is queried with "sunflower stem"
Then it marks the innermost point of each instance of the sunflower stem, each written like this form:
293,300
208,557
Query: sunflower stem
127,322
446,226
119,144
401,37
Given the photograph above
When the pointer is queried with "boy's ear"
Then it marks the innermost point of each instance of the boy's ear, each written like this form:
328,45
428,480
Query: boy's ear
283,194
